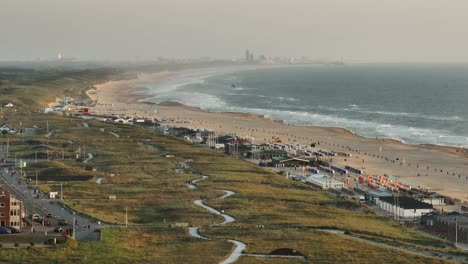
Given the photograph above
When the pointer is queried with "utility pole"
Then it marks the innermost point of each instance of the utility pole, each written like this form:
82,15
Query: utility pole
36,178
397,206
61,192
126,216
43,223
456,232
74,225
8,146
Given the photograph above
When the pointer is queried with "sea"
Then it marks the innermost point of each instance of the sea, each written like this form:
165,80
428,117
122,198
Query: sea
413,103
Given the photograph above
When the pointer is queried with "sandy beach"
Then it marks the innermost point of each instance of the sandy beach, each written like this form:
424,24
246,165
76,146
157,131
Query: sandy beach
443,169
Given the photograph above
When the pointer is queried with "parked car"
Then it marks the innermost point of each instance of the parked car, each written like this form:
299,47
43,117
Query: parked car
63,222
34,216
4,230
14,230
49,216
58,229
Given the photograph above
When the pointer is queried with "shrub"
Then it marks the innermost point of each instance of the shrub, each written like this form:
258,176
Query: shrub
16,245
32,244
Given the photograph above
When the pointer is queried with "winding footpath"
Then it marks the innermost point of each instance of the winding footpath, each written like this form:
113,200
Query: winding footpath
193,231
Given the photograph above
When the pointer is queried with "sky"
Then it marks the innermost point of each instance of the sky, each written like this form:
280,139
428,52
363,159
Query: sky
358,30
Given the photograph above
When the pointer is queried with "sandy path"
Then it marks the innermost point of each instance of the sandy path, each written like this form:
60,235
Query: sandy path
227,218
228,193
193,231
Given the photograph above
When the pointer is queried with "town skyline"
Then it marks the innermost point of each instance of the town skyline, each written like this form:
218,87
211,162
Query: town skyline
362,30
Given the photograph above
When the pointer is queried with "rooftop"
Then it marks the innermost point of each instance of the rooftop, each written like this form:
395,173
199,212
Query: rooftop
406,202
380,193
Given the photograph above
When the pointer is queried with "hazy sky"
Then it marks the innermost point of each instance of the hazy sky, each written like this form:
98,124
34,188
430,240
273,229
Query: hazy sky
361,30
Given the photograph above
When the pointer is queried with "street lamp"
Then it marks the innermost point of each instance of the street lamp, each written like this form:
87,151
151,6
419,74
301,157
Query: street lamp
44,222
73,234
456,232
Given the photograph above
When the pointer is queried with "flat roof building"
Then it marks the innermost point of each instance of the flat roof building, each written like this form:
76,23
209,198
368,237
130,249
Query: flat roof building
445,225
324,182
375,195
404,206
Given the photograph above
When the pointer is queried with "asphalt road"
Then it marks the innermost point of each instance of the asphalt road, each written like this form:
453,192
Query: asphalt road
87,229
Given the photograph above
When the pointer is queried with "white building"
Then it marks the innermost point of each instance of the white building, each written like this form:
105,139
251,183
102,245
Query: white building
433,198
404,206
375,195
324,182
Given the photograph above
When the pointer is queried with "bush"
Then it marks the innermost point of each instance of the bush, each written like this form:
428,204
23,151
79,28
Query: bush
32,244
16,245
347,232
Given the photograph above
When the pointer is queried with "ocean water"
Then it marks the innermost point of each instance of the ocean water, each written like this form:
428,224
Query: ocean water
419,104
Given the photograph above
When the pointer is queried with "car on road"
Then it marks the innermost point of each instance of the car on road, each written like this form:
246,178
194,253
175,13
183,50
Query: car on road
58,229
49,216
34,216
63,222
4,230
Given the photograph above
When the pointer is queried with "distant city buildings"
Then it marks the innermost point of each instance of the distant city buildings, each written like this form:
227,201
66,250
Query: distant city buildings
264,59
249,57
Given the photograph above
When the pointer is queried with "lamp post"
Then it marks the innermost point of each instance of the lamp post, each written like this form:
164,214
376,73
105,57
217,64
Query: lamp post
74,227
43,222
456,232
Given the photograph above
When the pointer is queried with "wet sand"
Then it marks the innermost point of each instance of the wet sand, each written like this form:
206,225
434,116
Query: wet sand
443,169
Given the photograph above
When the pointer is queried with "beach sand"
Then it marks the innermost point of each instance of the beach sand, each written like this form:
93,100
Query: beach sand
443,169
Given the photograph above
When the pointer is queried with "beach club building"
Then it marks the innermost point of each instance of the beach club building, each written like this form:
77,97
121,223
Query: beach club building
453,226
374,195
404,207
431,198
324,182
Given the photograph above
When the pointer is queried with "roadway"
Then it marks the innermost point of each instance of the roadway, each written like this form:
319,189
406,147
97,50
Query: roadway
36,202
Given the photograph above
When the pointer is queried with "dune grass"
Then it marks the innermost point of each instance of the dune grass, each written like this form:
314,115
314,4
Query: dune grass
126,245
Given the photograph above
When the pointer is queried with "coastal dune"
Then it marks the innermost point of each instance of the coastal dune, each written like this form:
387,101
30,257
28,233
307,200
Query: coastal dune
441,169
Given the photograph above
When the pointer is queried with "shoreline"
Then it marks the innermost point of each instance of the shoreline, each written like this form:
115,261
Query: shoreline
447,166
129,93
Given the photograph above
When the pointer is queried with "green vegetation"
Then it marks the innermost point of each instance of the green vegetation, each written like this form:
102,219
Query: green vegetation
135,169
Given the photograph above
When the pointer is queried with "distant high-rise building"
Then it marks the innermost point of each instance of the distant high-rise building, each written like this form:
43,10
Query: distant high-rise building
249,56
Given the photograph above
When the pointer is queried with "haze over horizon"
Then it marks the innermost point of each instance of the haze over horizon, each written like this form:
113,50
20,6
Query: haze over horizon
358,30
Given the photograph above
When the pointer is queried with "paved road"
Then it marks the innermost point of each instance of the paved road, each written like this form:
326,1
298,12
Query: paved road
39,203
